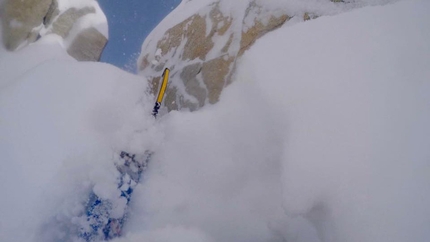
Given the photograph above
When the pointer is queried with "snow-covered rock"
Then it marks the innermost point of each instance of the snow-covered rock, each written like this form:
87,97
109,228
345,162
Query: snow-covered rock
202,49
81,25
201,41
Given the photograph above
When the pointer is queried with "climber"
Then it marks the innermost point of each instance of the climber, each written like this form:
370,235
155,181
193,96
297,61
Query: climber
100,224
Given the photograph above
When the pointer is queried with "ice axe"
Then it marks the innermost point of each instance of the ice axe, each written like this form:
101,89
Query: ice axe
163,88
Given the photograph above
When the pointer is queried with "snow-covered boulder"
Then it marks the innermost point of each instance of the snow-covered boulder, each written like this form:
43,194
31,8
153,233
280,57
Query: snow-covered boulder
202,49
201,42
81,25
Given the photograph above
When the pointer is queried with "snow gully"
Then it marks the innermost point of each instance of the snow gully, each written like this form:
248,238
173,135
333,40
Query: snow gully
102,223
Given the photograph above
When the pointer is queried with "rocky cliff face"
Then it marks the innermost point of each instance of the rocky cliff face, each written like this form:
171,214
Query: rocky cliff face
81,25
201,41
203,47
202,50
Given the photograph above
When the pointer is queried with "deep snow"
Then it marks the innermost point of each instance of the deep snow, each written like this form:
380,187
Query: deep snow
61,123
323,136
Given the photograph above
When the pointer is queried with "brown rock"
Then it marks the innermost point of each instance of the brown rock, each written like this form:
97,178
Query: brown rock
65,21
145,63
88,45
23,20
259,29
191,42
214,76
193,30
170,100
52,13
197,45
191,79
20,18
309,16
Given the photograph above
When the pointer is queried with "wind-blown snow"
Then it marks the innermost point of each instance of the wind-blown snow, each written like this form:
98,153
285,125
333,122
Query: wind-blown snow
323,136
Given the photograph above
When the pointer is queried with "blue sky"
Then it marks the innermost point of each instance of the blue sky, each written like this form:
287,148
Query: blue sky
130,21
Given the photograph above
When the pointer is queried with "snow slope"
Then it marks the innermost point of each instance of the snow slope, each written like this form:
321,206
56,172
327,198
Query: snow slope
322,137
61,121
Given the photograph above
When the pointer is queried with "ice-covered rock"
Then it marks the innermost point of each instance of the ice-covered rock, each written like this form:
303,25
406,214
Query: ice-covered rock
81,25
